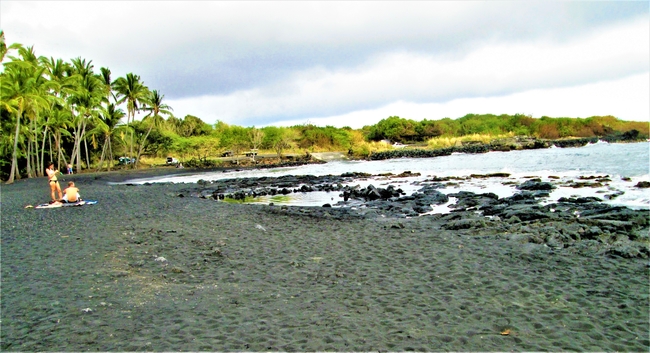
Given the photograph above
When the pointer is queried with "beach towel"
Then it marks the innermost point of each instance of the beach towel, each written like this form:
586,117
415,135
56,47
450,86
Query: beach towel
58,205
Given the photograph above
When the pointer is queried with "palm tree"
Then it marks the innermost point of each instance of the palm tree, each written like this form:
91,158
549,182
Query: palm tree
30,62
105,126
59,116
155,106
132,91
85,99
22,92
60,119
105,75
3,45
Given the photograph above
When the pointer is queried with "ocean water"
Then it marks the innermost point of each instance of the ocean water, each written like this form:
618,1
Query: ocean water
559,165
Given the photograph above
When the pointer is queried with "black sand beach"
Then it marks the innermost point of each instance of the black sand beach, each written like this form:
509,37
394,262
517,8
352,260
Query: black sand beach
145,269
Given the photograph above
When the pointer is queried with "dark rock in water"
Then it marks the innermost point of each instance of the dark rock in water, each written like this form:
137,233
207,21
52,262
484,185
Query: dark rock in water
492,175
525,197
470,200
575,142
429,195
642,184
536,184
613,195
579,199
327,205
407,174
372,193
578,185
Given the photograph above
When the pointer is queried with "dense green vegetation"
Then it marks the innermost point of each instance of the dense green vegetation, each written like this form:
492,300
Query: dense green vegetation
405,130
68,112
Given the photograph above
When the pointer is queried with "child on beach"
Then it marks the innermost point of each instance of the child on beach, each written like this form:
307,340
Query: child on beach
69,168
71,193
53,181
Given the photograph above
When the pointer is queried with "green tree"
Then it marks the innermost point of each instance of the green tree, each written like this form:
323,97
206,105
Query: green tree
131,90
3,46
105,77
85,100
394,129
256,137
23,95
153,103
105,126
193,126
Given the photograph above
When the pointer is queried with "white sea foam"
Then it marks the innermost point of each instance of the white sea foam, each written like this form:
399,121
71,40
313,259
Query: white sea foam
561,166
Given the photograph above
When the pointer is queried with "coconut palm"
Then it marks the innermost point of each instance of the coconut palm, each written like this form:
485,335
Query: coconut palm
59,120
105,75
153,103
132,91
3,45
23,94
60,72
105,125
85,99
155,107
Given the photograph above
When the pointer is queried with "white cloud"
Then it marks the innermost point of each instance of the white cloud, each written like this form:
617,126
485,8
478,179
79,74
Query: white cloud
627,99
489,71
253,63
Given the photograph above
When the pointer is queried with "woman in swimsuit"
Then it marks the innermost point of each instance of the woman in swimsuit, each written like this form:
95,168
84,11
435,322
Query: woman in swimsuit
53,181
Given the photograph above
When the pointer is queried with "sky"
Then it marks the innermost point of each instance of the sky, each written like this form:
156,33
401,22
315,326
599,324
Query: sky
352,63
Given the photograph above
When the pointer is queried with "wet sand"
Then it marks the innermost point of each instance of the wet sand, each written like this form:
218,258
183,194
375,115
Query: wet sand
145,269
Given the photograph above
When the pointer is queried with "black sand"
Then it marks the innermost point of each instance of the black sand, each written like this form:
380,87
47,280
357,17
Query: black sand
146,270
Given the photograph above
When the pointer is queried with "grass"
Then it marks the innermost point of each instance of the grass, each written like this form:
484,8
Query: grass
444,142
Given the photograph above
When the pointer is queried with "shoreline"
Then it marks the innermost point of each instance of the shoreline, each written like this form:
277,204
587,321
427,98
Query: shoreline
503,145
120,175
146,269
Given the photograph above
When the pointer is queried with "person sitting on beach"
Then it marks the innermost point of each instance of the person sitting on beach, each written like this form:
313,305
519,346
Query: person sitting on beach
71,193
53,181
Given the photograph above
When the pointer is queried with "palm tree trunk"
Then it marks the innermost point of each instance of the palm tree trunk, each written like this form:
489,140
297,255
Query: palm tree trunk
141,147
49,140
83,137
41,169
14,154
60,155
86,147
132,140
76,151
101,160
29,157
77,130
110,153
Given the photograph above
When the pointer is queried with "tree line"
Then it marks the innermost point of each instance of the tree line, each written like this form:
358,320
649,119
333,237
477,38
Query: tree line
409,131
67,112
